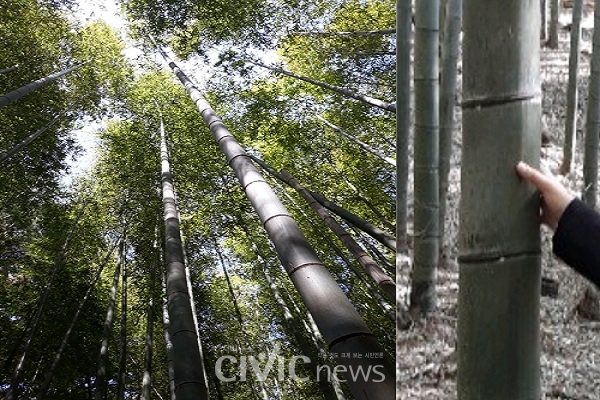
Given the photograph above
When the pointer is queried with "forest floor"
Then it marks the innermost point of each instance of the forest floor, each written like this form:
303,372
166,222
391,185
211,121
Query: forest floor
570,361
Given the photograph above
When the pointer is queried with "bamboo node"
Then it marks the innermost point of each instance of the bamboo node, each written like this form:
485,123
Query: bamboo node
258,180
275,216
236,156
348,336
294,269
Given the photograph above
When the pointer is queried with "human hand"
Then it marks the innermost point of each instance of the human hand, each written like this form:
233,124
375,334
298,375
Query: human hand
554,196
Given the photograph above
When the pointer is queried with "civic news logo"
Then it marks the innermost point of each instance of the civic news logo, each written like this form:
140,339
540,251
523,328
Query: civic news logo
230,368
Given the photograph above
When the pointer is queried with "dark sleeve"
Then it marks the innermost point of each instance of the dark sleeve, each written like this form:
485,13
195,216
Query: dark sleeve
577,240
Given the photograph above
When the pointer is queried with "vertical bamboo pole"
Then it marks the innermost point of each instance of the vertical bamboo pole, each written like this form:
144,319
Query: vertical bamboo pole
403,122
571,117
343,328
592,123
426,160
499,237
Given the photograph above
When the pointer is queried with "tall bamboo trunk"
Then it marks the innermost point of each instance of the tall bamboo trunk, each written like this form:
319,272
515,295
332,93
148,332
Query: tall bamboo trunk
372,291
152,387
12,394
168,342
5,155
442,28
426,159
123,333
9,69
590,161
328,392
189,377
342,326
450,54
499,237
376,152
238,314
362,198
16,94
17,344
383,261
390,107
41,361
215,379
373,270
63,344
381,236
313,331
147,374
403,121
553,31
544,15
100,381
571,118
382,218
188,277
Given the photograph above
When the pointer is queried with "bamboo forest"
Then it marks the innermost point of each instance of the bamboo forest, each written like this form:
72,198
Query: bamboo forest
294,199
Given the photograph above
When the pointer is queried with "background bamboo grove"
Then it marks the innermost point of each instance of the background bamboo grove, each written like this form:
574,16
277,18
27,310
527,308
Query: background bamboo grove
269,210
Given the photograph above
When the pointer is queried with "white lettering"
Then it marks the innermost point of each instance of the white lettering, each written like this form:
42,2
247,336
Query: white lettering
219,368
292,367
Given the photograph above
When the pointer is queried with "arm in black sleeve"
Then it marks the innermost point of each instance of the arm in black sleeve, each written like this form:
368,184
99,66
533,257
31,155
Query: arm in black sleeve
577,240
